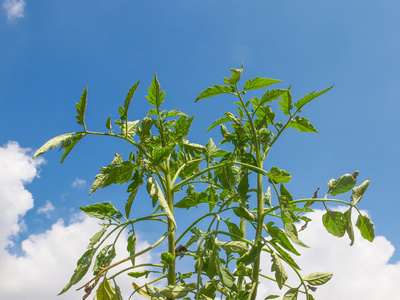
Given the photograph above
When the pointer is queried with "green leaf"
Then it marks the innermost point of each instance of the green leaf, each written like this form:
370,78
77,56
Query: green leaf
83,265
267,197
104,258
243,187
193,199
259,83
139,274
334,222
303,101
250,256
133,189
227,279
302,125
318,278
213,91
105,291
235,77
366,227
145,126
277,267
108,123
272,297
161,155
81,108
358,191
271,95
291,294
140,291
156,193
285,256
286,102
96,238
131,246
349,226
124,111
344,184
197,234
233,246
103,211
68,144
167,258
279,176
156,95
243,212
281,237
53,143
233,229
177,291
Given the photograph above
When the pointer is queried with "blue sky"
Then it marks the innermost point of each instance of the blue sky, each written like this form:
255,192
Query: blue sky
51,50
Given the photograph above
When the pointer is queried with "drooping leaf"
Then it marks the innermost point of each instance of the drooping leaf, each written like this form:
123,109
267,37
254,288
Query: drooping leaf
285,256
277,267
103,211
318,278
177,291
104,258
133,189
131,246
97,236
235,77
280,236
193,199
358,191
334,223
279,176
243,212
156,95
250,256
83,265
291,294
141,291
259,83
226,277
81,108
105,291
349,226
197,234
156,193
342,185
303,101
366,227
302,125
233,246
139,274
53,143
68,144
123,111
213,91
243,187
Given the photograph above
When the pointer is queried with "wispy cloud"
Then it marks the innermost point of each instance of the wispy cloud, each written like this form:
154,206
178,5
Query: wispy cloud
14,9
79,183
47,209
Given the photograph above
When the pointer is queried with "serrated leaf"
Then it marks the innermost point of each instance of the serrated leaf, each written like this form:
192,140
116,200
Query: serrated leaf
303,101
277,267
291,294
156,95
271,95
213,91
133,189
81,108
103,211
156,193
68,144
342,185
334,223
259,83
160,155
53,143
286,102
302,125
193,199
83,265
366,227
124,111
358,191
318,278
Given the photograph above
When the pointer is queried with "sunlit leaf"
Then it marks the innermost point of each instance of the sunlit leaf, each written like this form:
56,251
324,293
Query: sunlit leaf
366,228
53,143
177,291
318,278
81,108
358,191
279,176
124,110
303,101
105,291
286,102
278,269
213,91
235,77
103,211
302,125
258,83
342,185
334,223
291,294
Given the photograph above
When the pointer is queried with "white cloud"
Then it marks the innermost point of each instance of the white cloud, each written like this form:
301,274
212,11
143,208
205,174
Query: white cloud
49,258
360,271
79,183
49,207
14,9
